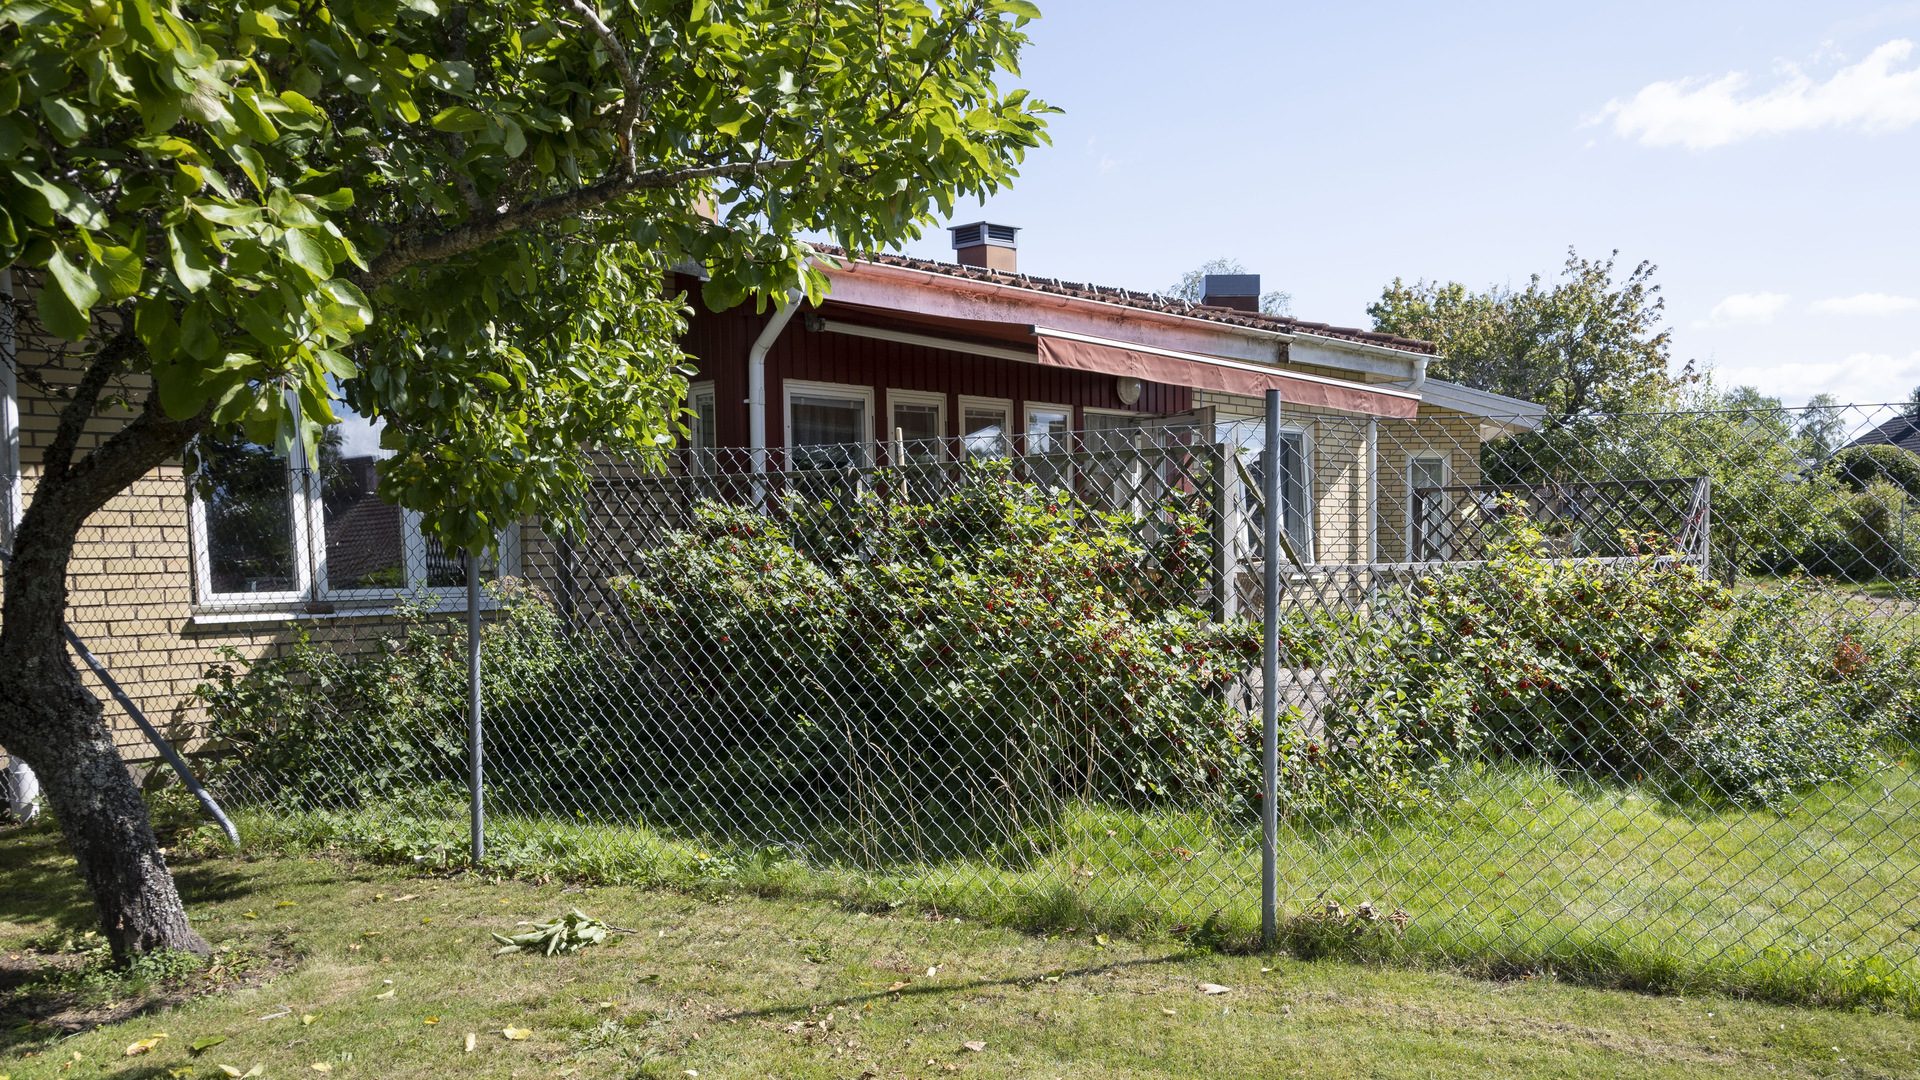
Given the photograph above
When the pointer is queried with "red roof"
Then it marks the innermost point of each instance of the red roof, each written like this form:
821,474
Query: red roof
1110,294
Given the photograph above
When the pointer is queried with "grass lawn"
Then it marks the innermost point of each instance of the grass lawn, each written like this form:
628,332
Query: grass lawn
344,969
1515,869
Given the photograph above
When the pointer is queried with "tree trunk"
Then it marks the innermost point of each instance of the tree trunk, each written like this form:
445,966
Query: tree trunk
47,716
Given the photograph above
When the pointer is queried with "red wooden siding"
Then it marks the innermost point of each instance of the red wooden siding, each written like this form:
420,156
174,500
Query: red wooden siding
719,342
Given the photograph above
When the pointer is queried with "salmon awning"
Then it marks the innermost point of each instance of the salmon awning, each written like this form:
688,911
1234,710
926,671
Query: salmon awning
1082,352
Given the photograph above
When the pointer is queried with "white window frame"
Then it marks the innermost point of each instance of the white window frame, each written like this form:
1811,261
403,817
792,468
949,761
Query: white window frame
918,397
825,389
1416,529
702,460
1005,405
696,391
310,556
1028,408
1309,508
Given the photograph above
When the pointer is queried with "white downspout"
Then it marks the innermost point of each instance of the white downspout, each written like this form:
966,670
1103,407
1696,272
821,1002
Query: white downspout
757,379
1419,375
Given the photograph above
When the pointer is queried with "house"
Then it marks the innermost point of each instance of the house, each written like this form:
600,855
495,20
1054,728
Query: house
974,357
957,359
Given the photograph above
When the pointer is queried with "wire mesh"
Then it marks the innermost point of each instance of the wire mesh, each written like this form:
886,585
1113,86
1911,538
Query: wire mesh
1630,695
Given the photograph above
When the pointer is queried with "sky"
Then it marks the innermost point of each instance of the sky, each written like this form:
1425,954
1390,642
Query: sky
1765,156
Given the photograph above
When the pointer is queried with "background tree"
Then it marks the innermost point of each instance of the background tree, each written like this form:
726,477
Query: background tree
228,215
1581,345
1822,427
1192,286
1586,347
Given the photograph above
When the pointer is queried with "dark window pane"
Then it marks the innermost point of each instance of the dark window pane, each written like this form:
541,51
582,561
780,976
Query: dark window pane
827,432
363,534
246,492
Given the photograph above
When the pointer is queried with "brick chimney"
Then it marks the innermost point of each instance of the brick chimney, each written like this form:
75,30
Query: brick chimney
1238,291
985,245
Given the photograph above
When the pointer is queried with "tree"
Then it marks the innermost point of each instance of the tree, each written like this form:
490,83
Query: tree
1823,427
1580,346
1192,286
231,215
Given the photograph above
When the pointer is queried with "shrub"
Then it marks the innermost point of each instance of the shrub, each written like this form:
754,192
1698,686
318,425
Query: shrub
1031,647
1634,669
311,726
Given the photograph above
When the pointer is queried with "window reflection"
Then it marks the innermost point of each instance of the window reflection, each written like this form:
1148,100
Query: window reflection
245,490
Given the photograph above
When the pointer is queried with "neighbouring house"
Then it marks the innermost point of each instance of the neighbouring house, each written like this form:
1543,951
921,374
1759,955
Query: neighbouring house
973,357
961,359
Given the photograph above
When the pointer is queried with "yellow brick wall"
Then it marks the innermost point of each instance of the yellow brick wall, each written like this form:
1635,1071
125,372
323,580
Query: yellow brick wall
1339,471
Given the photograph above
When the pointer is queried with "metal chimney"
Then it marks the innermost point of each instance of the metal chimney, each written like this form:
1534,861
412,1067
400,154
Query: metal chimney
985,245
1238,291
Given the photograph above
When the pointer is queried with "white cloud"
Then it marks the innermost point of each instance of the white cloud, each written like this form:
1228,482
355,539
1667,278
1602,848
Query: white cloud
1861,378
1702,113
1746,308
1870,303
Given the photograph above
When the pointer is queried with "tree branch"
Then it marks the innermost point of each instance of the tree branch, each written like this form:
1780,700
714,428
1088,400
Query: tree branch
107,363
412,250
630,113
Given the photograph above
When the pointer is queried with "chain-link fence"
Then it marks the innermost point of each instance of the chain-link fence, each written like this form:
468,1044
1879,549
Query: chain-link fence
1634,696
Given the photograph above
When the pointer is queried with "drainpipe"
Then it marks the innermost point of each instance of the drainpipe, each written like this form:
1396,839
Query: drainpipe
1419,376
757,379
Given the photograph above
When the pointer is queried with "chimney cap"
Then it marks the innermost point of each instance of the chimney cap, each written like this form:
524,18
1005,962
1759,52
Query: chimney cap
1231,285
980,233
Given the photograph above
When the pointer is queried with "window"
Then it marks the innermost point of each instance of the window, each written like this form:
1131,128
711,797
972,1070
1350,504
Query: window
1427,508
704,428
1296,480
984,431
920,419
1047,437
829,426
272,530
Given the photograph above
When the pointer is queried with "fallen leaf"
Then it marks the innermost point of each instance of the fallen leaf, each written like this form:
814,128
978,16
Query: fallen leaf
516,1034
286,903
388,994
249,914
409,896
976,1047
321,1067
930,971
1169,1012
144,1045
899,986
431,1020
1101,940
307,1018
205,1043
229,1070
472,1040
1215,988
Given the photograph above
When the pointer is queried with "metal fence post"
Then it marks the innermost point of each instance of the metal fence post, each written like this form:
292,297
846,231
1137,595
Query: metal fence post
475,749
1270,682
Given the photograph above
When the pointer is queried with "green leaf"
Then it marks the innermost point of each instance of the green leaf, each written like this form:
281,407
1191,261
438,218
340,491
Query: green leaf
79,287
459,118
251,120
69,123
120,269
153,322
252,164
189,262
196,332
206,1042
232,217
260,24
307,255
494,379
336,364
46,198
58,314
336,200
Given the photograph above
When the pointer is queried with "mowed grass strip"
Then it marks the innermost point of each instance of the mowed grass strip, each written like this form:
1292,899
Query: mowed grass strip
395,970
1513,868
